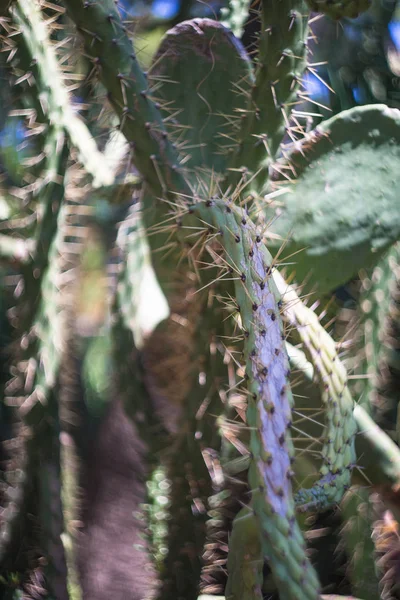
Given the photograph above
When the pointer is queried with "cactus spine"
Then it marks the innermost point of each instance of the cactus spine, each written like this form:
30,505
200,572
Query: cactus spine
269,411
109,47
338,452
280,65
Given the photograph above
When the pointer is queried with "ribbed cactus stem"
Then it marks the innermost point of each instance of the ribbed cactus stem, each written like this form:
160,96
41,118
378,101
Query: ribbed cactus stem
269,410
35,376
52,524
338,452
379,303
359,513
245,562
281,63
108,45
374,446
50,197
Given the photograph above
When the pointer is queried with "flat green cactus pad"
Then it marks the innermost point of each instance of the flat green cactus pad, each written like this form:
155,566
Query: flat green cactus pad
203,69
342,209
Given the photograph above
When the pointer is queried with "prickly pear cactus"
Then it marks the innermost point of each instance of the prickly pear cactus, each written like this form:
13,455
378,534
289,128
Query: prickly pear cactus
151,444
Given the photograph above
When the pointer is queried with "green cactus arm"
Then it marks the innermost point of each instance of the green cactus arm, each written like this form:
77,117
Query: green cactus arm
36,55
245,564
338,452
51,517
359,513
27,17
337,225
29,390
245,559
235,16
269,411
198,75
281,63
373,446
379,301
50,198
108,45
44,336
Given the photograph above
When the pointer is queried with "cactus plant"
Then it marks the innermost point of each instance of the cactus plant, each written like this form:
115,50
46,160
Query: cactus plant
212,168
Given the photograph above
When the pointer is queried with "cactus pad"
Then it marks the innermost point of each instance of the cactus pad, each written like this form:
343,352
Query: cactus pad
341,211
201,67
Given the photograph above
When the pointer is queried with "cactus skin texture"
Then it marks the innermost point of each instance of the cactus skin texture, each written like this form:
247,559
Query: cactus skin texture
379,306
338,452
339,9
359,513
109,47
269,411
336,229
280,65
245,562
54,94
210,65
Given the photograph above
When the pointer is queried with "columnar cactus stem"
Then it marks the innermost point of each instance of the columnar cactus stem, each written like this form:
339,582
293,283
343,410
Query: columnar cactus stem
338,452
373,444
108,45
51,520
29,391
379,303
360,511
281,63
54,96
245,562
270,401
